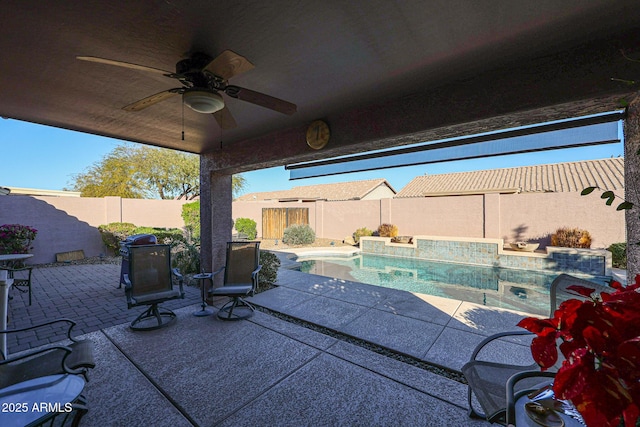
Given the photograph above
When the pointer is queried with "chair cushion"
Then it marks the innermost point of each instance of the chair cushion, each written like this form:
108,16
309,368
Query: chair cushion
156,296
232,290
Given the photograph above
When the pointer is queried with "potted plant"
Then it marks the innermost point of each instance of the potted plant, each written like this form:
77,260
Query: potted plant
600,340
16,238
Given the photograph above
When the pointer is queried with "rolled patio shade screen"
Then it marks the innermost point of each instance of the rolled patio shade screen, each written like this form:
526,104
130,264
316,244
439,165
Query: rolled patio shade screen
585,131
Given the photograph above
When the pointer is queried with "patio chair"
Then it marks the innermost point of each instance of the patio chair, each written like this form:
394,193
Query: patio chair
240,280
73,358
150,283
491,382
21,276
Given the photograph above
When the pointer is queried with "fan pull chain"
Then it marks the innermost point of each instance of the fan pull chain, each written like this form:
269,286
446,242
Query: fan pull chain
183,121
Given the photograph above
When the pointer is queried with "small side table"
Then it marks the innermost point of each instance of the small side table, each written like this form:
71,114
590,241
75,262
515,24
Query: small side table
204,312
522,419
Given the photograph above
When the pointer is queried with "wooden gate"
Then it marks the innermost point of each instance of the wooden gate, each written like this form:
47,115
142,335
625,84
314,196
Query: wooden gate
275,220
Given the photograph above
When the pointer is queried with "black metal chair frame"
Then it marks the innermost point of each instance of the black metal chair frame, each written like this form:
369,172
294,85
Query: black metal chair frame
156,295
20,283
236,292
74,358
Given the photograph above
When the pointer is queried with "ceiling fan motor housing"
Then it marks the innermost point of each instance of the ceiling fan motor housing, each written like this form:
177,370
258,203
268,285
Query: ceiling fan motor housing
203,100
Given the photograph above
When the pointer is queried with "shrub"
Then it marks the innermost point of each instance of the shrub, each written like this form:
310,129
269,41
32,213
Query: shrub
269,272
185,256
246,226
387,230
571,238
364,231
299,234
115,232
191,218
618,254
16,238
166,236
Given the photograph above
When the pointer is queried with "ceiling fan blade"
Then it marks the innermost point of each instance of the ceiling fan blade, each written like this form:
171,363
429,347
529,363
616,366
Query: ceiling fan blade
261,99
150,100
229,64
225,119
122,64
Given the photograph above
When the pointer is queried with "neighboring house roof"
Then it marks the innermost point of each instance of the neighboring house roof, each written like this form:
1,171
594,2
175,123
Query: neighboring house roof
19,191
607,174
353,190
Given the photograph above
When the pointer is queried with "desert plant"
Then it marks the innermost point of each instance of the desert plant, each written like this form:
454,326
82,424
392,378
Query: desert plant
387,230
364,231
269,271
618,254
185,255
246,226
298,234
571,238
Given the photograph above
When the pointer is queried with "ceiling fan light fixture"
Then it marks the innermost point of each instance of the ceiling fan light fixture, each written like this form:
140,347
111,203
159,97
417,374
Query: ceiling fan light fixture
203,101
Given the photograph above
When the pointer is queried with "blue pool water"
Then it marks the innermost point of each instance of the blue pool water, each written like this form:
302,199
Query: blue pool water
521,290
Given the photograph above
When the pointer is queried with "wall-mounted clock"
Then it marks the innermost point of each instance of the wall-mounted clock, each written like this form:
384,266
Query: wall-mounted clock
318,134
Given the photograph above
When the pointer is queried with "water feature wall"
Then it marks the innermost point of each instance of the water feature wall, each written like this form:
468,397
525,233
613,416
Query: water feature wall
493,253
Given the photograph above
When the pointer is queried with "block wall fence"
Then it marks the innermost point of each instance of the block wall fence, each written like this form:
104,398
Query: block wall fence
68,224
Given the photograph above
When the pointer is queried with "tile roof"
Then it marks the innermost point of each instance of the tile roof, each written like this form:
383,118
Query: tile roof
560,177
353,190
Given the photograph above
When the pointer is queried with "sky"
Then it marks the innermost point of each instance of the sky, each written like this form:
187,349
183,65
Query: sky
43,157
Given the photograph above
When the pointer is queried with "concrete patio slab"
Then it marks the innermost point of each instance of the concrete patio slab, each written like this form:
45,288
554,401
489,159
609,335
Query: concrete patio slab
203,371
403,334
310,283
421,307
428,382
358,293
281,298
212,368
453,348
328,312
485,320
329,391
118,394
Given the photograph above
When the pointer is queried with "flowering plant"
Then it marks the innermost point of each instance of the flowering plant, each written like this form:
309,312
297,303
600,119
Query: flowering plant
600,340
16,238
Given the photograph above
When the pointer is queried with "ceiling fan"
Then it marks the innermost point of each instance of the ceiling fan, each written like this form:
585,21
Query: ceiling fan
203,78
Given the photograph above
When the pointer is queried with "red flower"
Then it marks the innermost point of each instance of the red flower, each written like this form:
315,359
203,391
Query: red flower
600,341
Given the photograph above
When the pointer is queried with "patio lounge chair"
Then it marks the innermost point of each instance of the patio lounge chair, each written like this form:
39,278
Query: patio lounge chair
488,380
150,283
21,278
74,358
240,279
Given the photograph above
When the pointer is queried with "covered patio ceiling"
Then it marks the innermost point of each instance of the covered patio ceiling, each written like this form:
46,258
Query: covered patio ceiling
380,73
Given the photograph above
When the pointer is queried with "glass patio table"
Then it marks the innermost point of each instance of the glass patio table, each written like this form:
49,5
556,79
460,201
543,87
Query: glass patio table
39,400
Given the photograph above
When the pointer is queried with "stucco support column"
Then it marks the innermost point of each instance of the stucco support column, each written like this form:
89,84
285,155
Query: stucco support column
215,216
632,184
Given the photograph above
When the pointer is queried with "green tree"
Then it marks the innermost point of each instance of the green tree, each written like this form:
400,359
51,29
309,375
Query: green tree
139,171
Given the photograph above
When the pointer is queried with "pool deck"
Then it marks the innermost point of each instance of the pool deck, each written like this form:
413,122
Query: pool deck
317,363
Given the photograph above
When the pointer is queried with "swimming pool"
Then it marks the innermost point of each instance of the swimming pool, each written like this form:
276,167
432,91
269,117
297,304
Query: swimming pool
521,290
